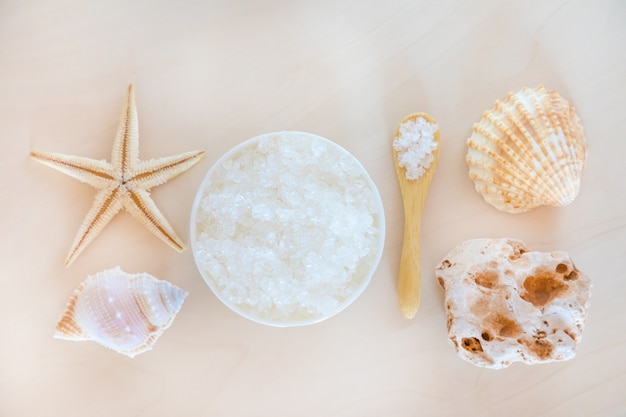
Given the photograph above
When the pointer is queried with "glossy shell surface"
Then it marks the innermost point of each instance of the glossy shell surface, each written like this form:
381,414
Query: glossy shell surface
121,311
529,150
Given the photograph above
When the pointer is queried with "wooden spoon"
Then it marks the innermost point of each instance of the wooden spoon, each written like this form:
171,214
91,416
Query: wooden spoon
413,197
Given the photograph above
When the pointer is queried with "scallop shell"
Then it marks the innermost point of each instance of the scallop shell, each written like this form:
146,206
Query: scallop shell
528,150
121,311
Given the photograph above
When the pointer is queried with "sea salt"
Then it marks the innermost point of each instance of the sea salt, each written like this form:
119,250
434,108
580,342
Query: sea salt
415,146
288,228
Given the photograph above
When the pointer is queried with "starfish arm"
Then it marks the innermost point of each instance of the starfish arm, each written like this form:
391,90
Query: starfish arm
106,205
158,171
93,172
126,145
142,208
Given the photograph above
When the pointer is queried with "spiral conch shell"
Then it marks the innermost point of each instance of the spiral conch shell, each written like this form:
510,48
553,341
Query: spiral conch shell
529,150
121,311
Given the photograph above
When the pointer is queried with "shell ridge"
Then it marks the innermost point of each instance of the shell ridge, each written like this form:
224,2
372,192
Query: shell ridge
518,169
485,184
143,306
68,327
550,182
500,173
568,169
577,149
551,126
524,170
531,146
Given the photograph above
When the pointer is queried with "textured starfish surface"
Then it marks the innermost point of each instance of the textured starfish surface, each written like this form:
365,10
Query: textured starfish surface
122,183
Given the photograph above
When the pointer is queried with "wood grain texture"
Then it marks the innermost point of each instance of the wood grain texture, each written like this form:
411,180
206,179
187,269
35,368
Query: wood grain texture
211,74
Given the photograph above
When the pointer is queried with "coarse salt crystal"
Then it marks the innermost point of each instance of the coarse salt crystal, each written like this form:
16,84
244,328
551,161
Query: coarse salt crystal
415,146
287,228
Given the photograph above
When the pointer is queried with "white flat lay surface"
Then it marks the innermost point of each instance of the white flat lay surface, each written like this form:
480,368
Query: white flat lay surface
209,75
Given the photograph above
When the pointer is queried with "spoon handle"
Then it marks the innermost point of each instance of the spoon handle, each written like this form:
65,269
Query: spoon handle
410,274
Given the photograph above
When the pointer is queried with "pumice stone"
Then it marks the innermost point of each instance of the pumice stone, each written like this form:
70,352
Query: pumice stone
506,303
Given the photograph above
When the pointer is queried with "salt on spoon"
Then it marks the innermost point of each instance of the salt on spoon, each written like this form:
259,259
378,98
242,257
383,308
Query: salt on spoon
415,152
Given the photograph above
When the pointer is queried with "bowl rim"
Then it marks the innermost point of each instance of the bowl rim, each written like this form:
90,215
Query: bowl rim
368,276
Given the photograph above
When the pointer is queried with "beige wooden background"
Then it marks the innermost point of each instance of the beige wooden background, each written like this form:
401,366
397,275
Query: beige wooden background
210,74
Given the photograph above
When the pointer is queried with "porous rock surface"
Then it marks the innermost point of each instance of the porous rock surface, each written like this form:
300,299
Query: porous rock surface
505,303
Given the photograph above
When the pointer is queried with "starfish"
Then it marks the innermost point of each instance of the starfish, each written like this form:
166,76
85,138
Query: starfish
122,183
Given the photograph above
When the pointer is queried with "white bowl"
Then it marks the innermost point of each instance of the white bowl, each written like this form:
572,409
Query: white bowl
263,205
